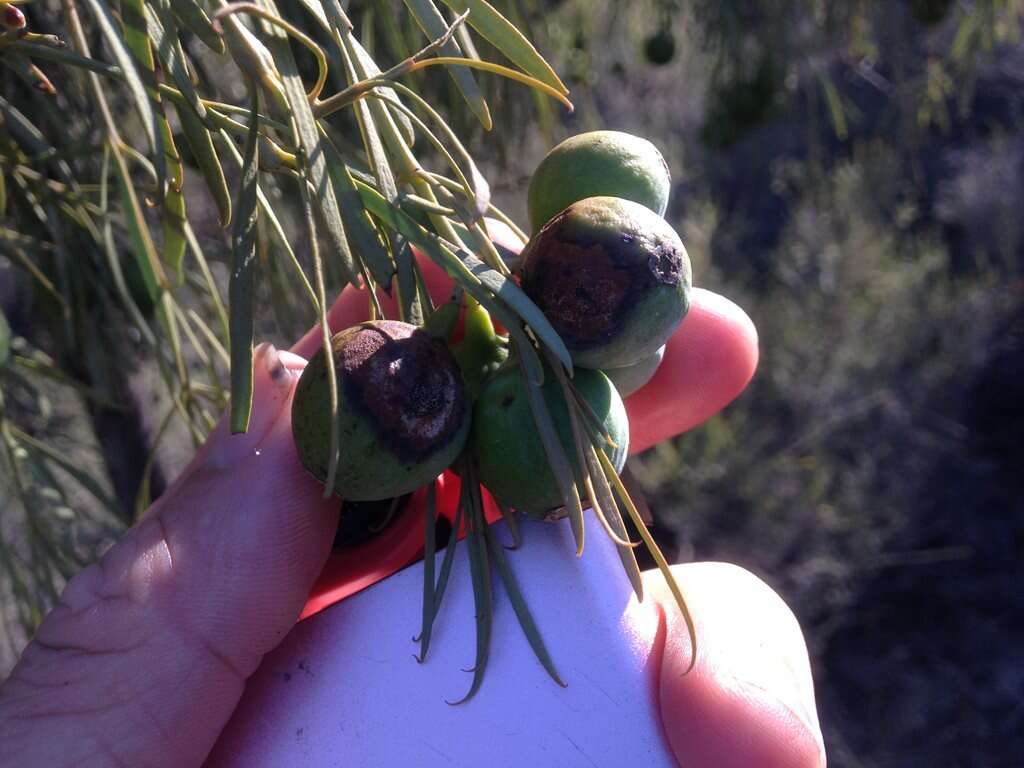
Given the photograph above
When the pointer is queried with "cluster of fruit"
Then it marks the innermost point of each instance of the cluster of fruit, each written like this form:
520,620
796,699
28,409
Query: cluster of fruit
609,274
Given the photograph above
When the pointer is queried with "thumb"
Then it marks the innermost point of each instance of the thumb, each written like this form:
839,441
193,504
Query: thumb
146,655
749,700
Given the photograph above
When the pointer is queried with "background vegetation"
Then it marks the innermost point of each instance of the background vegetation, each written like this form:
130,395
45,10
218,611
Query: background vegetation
851,173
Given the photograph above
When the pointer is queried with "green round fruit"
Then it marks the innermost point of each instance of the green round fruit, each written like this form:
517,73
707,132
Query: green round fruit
598,163
613,279
631,378
509,453
402,411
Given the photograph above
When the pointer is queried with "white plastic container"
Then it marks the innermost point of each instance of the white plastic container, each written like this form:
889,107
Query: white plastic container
345,689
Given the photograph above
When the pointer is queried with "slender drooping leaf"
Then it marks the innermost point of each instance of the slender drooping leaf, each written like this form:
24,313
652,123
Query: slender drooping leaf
480,572
557,460
430,20
198,23
64,56
256,62
200,141
655,551
138,32
613,519
5,339
162,29
372,70
429,552
242,278
315,147
140,99
519,605
503,35
357,65
510,293
364,237
449,554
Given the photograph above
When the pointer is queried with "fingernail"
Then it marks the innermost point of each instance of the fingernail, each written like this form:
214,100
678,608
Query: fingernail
276,369
272,386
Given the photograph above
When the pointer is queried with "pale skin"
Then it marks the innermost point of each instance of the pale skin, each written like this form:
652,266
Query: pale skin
145,658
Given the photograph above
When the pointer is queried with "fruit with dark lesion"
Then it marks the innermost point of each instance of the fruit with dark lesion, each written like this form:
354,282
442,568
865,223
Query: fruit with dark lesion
612,278
402,411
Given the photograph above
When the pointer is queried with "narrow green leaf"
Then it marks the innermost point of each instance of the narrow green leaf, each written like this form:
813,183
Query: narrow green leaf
314,145
144,496
557,460
371,70
513,524
519,605
5,339
64,56
113,253
479,566
430,20
198,23
240,287
429,551
654,549
357,66
364,237
473,183
162,29
449,555
173,215
512,295
3,193
142,242
267,213
200,142
256,62
611,518
137,32
131,13
836,111
503,35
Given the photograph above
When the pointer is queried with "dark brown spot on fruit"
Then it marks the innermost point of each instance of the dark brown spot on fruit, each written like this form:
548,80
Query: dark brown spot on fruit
665,264
586,287
406,382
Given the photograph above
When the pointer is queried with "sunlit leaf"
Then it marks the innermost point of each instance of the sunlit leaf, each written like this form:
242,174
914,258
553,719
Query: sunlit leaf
198,23
140,99
430,20
503,35
242,278
314,144
519,605
200,142
64,56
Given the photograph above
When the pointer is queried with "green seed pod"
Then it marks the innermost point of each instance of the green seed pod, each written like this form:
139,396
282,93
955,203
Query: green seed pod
509,453
598,163
631,378
402,411
613,279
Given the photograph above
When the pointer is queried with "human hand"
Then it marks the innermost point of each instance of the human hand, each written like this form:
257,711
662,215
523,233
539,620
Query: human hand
147,653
